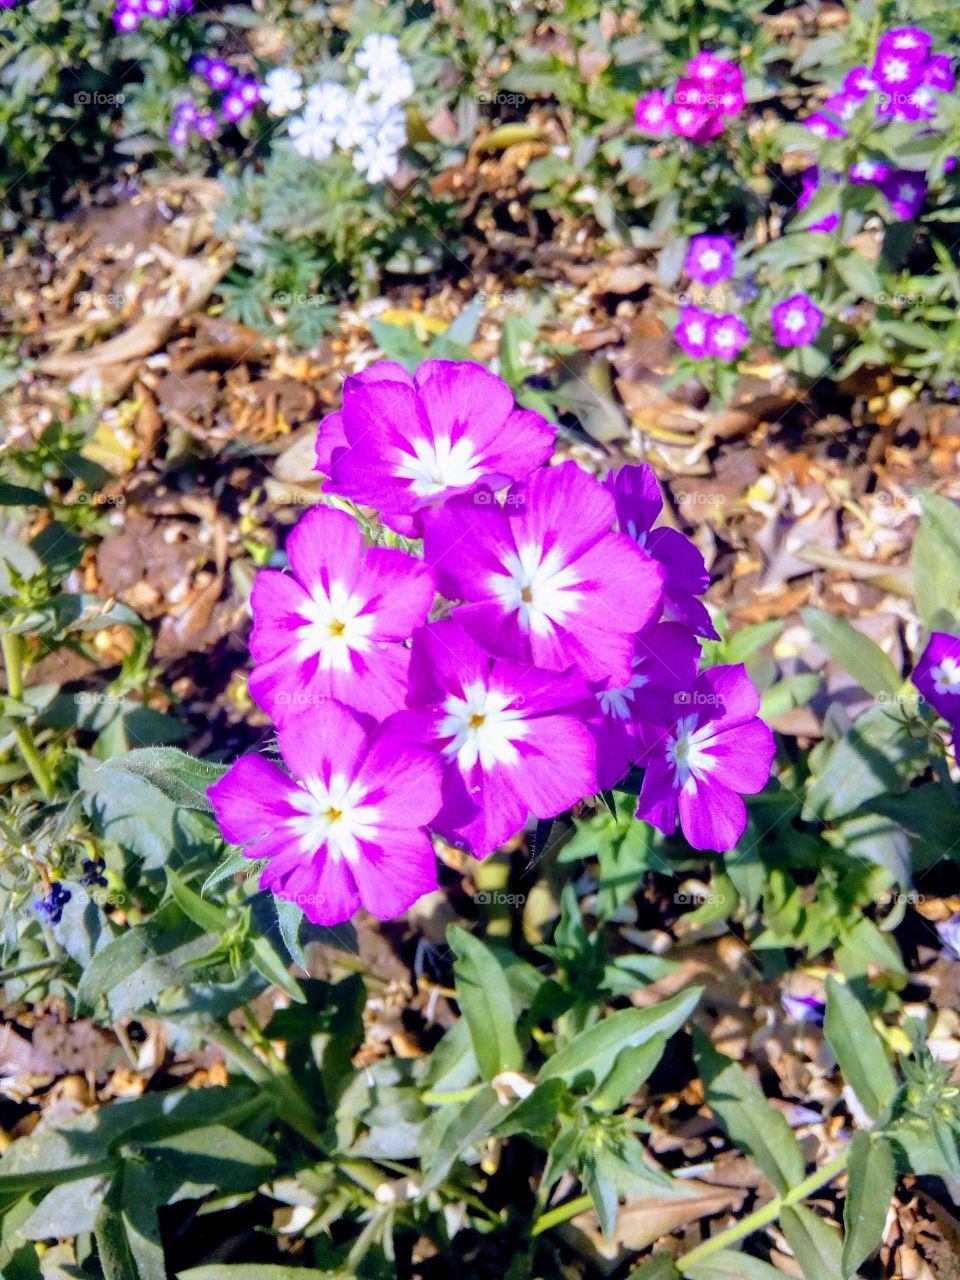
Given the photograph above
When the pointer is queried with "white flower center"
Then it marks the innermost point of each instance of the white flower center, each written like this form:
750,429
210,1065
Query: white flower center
438,464
333,814
946,677
686,751
537,587
897,69
696,331
333,626
709,260
794,320
619,702
482,726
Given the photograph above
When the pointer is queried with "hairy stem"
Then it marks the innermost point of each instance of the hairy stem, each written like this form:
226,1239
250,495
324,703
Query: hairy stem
12,647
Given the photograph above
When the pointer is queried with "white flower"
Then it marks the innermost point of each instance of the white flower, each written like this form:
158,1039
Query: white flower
329,102
388,76
376,158
378,53
311,137
282,91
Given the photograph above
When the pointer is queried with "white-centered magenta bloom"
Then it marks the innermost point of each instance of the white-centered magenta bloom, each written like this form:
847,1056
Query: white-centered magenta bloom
727,335
859,82
512,739
691,331
639,501
627,718
349,828
906,192
404,443
334,628
937,675
544,579
652,113
715,750
710,259
796,321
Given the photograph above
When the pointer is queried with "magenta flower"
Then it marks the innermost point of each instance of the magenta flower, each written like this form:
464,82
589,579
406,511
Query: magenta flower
906,192
715,750
544,578
513,739
727,335
842,105
217,73
908,42
938,73
859,82
810,185
691,331
349,828
937,675
409,443
710,259
639,501
824,126
896,71
796,322
664,664
696,123
334,628
868,171
651,113
718,75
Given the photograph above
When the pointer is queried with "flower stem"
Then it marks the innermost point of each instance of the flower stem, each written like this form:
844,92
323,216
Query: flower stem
768,1213
12,647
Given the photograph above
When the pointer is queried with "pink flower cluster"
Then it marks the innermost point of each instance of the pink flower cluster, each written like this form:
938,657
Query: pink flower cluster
563,649
702,99
128,14
903,83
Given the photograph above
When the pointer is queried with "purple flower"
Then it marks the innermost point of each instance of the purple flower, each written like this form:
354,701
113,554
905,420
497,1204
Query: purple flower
796,322
217,73
208,126
156,8
896,71
727,335
691,331
713,753
868,171
810,185
937,675
844,105
512,738
409,443
651,113
939,74
126,19
234,106
544,578
335,626
51,906
664,663
908,42
719,76
349,828
710,259
949,931
249,91
695,123
906,192
824,126
639,502
859,83
179,134
186,113
803,1008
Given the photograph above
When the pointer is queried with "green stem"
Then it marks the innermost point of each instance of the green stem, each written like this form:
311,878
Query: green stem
769,1213
23,970
562,1213
12,647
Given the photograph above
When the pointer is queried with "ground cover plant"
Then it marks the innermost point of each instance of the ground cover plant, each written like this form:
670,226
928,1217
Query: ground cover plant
480,623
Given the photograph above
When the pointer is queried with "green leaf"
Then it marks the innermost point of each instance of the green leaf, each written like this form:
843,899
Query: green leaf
859,275
265,1271
590,1056
855,652
205,915
660,1267
728,1265
400,343
140,1223
484,997
876,757
270,966
816,1245
181,778
289,920
452,1130
631,1069
748,1118
858,1049
942,518
870,1187
785,695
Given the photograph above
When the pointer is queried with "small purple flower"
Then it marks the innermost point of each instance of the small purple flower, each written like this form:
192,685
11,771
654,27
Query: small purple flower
691,331
715,750
710,259
810,185
727,335
51,906
695,123
126,19
249,91
859,83
156,8
843,105
937,675
908,42
949,931
906,192
824,126
651,113
201,65
796,321
179,134
897,72
803,1008
93,873
939,73
868,171
639,502
208,126
714,72
186,113
218,74
234,108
